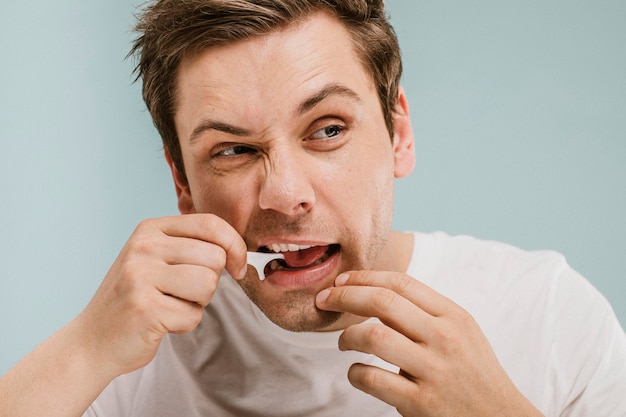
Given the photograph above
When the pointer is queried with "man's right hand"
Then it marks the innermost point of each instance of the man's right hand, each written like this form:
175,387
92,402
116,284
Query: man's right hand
160,282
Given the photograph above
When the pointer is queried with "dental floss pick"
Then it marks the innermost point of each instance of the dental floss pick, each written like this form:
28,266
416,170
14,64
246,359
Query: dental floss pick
259,260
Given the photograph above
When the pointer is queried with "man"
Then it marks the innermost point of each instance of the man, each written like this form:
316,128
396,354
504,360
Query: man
284,128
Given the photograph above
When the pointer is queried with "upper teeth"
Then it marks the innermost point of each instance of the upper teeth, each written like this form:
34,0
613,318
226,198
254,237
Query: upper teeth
287,247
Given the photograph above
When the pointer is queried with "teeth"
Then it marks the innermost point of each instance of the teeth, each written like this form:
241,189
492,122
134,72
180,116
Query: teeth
287,247
280,265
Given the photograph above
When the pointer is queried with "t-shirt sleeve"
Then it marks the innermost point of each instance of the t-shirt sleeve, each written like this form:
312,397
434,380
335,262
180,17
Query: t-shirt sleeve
589,351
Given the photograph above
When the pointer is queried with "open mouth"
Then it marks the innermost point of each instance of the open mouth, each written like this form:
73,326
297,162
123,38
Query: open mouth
298,260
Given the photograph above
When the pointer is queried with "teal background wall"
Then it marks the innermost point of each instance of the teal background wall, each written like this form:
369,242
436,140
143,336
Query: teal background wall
519,111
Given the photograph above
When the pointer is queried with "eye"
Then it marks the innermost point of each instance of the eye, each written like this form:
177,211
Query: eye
235,150
327,132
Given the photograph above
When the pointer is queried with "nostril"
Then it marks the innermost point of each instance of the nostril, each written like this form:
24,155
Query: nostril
287,199
288,183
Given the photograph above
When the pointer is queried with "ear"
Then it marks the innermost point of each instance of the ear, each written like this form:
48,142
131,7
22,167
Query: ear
185,202
403,143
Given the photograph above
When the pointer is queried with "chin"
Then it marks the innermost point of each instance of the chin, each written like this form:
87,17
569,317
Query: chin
305,323
293,310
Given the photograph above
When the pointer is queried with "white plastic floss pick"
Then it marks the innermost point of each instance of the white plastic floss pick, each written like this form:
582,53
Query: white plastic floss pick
259,260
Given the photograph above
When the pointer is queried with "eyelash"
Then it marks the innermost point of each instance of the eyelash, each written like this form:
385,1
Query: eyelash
338,129
235,150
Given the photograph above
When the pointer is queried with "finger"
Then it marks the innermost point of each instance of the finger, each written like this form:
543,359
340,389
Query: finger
386,343
408,287
178,315
390,387
192,283
212,229
178,250
391,308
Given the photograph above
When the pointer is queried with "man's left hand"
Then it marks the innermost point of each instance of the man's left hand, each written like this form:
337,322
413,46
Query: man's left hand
447,366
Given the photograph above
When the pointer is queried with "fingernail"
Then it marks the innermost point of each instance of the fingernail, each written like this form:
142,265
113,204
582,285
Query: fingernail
322,296
243,272
341,279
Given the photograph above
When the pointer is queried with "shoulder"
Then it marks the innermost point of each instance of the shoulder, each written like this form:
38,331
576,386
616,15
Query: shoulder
487,275
548,325
466,262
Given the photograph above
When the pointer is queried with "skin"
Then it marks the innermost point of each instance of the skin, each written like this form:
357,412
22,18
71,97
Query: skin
317,174
280,171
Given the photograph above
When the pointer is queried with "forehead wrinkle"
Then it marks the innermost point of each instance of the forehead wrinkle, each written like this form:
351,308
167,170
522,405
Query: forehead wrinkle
260,51
220,110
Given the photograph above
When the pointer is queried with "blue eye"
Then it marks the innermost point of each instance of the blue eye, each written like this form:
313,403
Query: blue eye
236,150
327,132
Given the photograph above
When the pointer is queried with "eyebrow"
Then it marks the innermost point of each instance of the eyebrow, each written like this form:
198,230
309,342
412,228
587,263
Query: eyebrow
306,106
329,90
206,125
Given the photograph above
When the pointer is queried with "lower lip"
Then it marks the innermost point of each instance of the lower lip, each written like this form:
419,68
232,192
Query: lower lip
305,277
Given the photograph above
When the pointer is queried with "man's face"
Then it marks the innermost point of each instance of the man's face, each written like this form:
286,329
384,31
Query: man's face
283,137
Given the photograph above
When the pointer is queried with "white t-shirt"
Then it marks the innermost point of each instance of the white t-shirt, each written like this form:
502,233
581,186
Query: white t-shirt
554,334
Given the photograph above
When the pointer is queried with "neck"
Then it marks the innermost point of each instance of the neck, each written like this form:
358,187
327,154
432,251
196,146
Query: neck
396,254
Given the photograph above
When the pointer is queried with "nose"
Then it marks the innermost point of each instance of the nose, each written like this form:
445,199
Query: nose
287,186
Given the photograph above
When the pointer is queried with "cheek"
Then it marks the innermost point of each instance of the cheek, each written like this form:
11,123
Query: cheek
361,187
226,198
370,175
362,210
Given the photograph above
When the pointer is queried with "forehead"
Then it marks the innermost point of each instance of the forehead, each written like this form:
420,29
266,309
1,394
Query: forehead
272,70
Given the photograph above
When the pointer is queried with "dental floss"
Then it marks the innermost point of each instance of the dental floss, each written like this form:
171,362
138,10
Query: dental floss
259,260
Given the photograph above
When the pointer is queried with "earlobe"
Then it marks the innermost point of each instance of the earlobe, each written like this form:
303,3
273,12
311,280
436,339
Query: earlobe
183,193
403,142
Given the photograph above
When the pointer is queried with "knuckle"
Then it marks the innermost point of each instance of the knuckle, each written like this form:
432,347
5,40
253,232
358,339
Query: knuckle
458,322
366,277
465,319
341,295
455,321
209,288
138,307
404,284
131,290
129,280
146,224
364,376
140,244
375,335
234,243
209,221
195,318
445,335
211,282
384,300
220,256
450,340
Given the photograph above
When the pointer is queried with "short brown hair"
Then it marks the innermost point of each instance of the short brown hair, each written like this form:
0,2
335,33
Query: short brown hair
169,30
